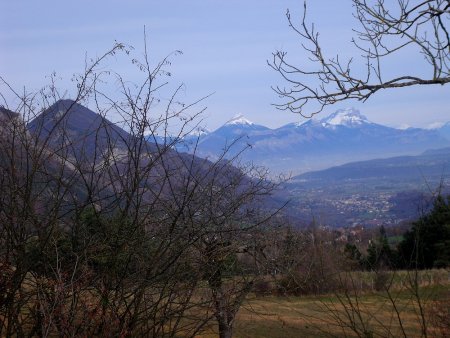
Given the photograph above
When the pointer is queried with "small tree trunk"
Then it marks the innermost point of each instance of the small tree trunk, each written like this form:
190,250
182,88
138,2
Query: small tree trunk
223,315
225,330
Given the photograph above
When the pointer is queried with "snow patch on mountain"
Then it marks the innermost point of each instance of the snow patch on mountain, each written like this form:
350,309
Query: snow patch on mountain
404,126
345,117
239,119
199,131
435,125
300,123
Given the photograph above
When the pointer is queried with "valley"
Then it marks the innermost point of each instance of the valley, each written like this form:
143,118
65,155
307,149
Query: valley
351,171
120,198
374,192
371,193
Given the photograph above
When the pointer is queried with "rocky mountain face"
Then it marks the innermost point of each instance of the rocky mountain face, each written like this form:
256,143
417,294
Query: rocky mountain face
342,137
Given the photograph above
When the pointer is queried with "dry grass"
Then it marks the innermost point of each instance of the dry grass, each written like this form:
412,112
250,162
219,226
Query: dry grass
329,316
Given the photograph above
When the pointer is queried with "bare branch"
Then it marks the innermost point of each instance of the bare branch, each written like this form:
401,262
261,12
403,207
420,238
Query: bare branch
386,29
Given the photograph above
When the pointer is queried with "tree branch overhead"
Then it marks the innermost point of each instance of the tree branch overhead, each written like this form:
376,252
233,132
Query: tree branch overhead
386,28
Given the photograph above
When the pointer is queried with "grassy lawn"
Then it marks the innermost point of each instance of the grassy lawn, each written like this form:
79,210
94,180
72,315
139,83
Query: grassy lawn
331,316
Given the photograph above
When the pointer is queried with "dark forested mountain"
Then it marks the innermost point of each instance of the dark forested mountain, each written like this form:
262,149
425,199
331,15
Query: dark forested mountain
6,115
342,137
78,130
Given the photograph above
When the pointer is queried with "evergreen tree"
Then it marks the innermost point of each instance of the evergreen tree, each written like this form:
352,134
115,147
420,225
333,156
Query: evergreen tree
379,253
353,254
427,244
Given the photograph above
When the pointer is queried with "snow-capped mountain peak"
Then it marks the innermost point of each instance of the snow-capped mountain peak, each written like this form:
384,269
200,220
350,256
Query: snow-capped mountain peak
239,119
345,117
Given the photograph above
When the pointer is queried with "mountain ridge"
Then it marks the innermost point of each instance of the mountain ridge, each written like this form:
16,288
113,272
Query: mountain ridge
430,162
344,136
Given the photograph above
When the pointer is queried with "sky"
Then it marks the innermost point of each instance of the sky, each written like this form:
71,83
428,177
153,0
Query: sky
225,45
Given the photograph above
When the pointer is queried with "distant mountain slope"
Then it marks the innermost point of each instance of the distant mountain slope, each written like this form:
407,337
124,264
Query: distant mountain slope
234,136
342,137
100,151
381,191
444,130
82,132
431,163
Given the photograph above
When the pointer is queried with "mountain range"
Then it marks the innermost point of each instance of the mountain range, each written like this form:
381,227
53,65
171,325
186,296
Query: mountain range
344,136
385,189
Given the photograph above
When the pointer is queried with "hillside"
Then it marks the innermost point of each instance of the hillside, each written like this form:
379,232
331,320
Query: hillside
382,191
431,164
109,164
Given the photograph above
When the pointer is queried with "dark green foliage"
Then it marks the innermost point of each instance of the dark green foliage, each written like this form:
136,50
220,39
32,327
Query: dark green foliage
427,244
111,245
106,245
379,253
51,248
353,254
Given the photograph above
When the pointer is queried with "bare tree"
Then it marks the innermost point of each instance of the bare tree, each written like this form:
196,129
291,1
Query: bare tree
104,233
386,28
232,211
89,247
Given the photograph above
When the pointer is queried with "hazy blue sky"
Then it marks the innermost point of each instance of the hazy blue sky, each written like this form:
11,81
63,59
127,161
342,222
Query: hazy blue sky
225,46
